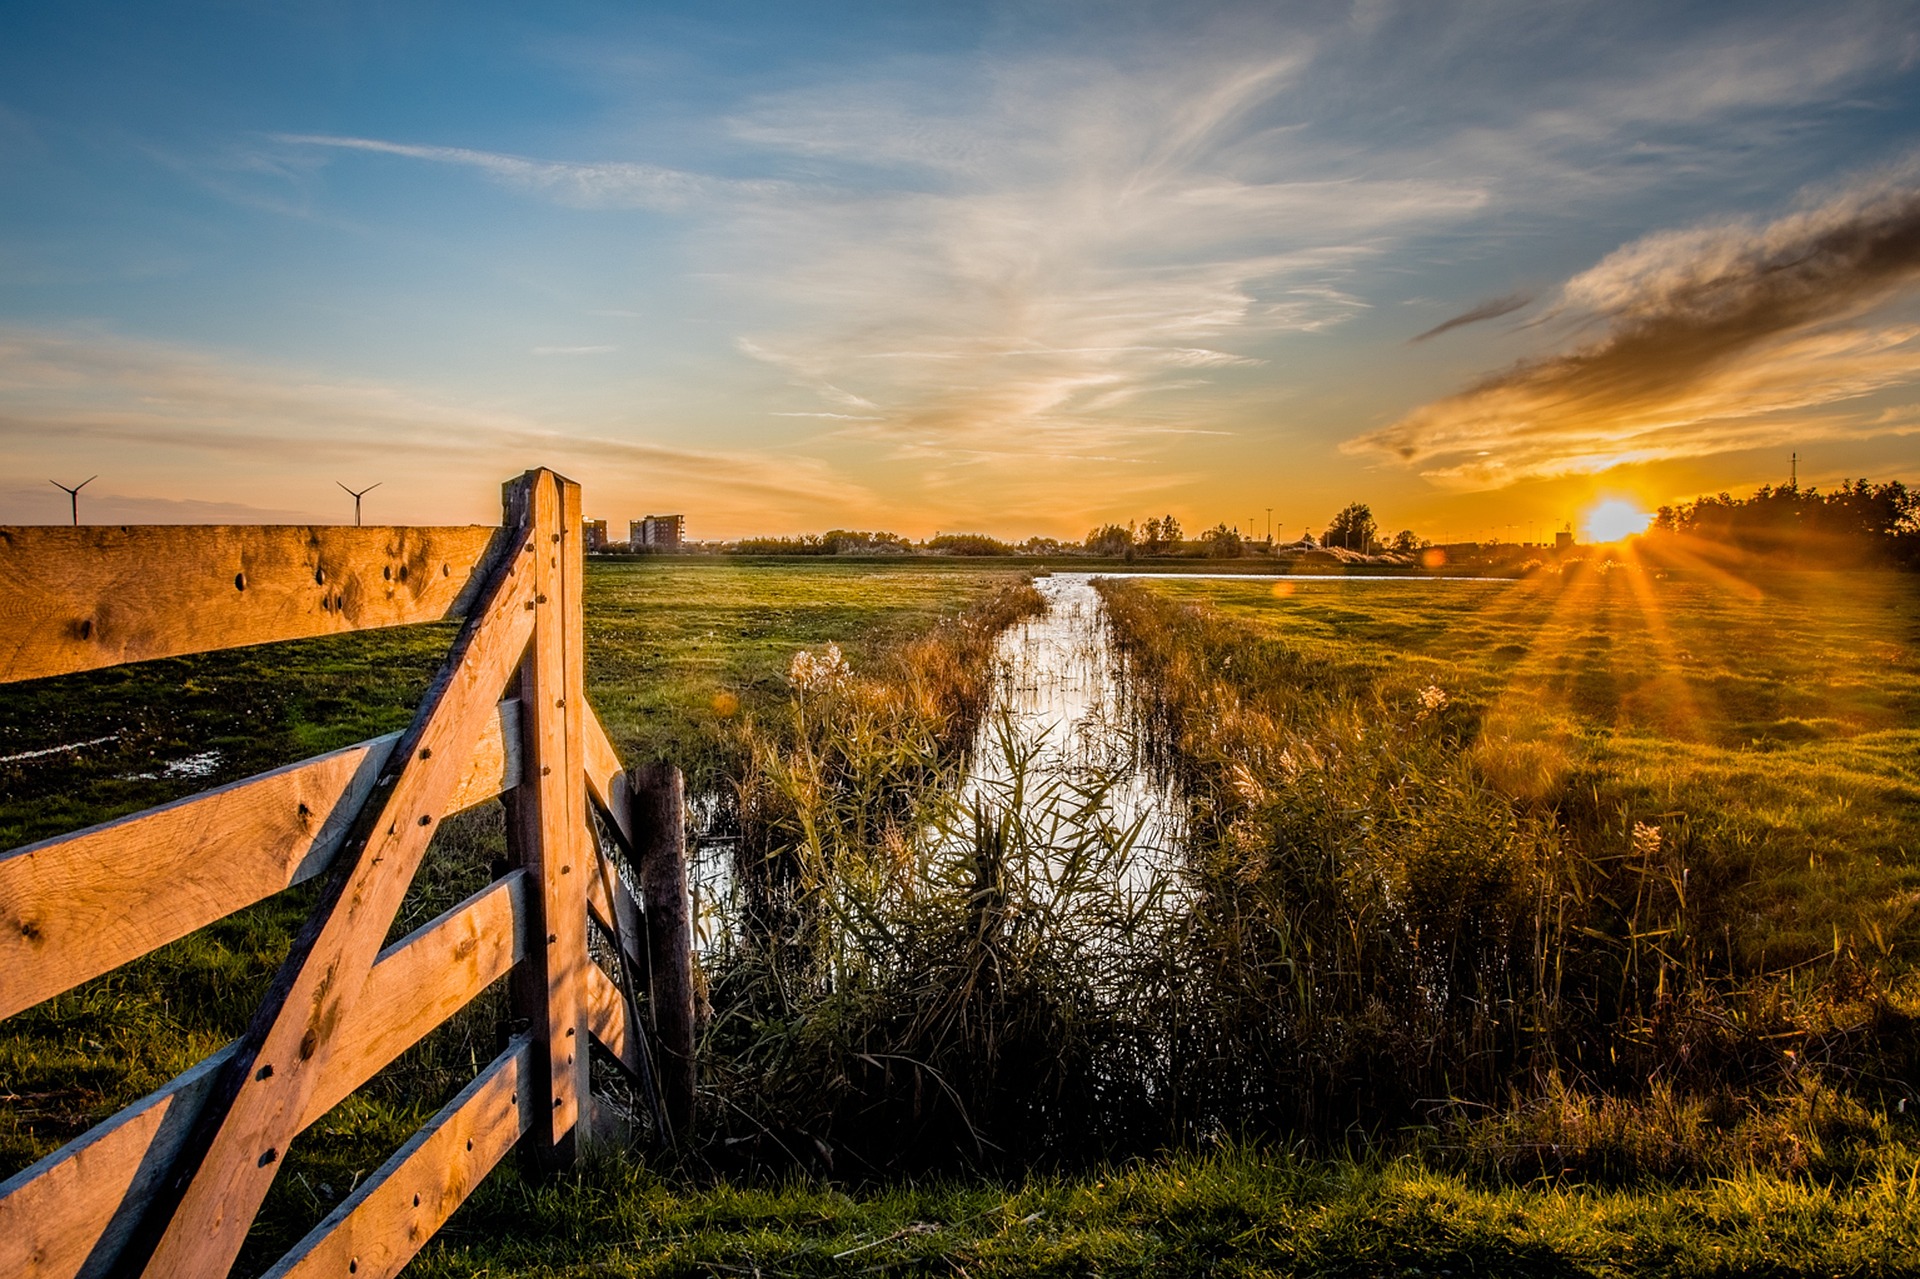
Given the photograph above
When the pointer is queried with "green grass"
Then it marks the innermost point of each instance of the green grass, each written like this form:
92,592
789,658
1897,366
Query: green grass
1536,864
1779,717
1239,1211
678,648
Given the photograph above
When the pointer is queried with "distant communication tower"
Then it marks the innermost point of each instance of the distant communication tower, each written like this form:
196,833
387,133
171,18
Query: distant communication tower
356,498
73,494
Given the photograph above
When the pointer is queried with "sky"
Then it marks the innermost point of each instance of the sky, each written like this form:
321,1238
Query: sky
1004,267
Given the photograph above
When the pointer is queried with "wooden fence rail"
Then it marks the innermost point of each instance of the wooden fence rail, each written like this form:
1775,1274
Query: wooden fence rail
170,1185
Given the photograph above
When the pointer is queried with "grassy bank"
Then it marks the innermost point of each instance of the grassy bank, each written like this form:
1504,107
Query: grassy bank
1604,873
1236,1212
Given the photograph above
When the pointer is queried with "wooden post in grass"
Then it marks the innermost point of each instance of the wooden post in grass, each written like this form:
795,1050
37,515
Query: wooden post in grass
660,849
548,832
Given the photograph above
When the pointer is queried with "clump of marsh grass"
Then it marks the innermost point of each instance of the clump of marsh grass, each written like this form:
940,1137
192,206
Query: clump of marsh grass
929,974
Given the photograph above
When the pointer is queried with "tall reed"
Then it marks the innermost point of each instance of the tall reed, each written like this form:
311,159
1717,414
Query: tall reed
1400,917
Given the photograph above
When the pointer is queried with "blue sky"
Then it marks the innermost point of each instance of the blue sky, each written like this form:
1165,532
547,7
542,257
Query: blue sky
1022,268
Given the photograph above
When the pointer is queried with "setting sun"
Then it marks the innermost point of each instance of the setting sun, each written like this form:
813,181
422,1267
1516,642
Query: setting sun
1615,520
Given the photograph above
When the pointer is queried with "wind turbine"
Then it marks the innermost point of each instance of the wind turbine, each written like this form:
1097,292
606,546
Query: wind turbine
357,496
73,494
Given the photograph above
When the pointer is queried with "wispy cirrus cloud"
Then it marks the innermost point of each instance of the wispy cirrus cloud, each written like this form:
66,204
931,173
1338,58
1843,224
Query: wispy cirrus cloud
1080,253
1061,250
603,185
1720,337
1058,264
67,394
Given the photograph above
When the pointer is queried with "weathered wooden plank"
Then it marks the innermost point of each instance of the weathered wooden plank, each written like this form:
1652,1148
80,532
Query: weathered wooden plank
608,897
74,599
70,1214
608,1022
660,854
613,904
224,1171
606,779
386,1220
550,831
80,905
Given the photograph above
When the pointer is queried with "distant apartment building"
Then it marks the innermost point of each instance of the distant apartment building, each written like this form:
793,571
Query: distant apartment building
595,534
663,531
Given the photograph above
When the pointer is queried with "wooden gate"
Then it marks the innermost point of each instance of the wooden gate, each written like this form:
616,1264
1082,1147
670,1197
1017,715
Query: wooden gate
170,1185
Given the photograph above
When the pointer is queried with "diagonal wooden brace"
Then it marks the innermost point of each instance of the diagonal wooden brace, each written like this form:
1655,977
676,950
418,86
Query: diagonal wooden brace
200,1218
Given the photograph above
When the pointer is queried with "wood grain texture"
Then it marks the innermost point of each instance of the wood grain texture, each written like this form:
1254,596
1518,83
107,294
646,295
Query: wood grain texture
69,1214
609,1021
79,905
550,836
395,1211
224,1171
660,850
75,599
550,833
612,903
606,779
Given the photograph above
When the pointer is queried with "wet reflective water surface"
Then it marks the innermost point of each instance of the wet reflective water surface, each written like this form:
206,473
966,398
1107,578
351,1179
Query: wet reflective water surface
1061,713
1059,739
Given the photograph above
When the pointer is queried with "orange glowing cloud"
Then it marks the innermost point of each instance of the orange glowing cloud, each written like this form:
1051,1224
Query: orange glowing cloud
1717,338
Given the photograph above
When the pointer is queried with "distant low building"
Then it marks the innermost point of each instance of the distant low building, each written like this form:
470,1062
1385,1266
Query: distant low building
665,532
594,534
1563,540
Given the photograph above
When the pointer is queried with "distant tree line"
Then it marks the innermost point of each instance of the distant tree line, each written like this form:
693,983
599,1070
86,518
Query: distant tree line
1857,520
837,541
1353,528
968,544
1158,536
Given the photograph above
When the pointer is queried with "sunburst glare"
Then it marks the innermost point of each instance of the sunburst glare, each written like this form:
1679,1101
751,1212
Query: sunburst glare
1615,520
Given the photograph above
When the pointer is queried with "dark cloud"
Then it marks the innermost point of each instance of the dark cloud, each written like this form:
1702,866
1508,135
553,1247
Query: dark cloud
1491,309
1704,328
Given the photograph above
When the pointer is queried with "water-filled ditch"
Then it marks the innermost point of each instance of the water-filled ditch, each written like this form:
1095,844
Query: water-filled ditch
1059,742
1062,743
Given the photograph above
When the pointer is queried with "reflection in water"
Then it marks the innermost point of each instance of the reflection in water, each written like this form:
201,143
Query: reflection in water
1059,736
1061,714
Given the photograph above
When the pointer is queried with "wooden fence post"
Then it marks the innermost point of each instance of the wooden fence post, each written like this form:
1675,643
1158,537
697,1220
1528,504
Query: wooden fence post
548,830
660,854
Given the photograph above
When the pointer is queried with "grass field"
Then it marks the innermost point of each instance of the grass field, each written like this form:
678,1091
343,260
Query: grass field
1237,1211
1778,716
1567,924
1609,874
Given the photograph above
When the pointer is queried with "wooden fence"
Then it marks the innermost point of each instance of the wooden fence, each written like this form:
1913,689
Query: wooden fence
170,1185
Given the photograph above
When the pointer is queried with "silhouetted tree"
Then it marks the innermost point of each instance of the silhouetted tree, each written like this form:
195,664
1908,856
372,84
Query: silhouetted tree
1159,535
1110,539
1857,518
1352,528
1223,543
967,544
